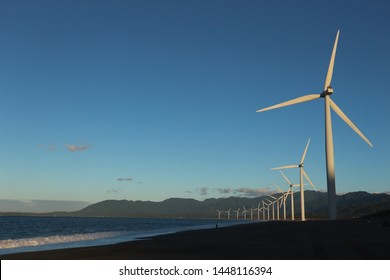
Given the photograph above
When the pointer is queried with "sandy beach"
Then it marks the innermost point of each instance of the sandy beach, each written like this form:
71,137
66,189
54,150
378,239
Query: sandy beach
310,240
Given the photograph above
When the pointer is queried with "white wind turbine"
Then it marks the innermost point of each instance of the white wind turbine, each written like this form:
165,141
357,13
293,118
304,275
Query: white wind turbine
268,205
328,90
263,210
277,205
291,190
244,212
251,210
273,208
279,202
219,214
259,209
302,173
228,214
284,198
237,212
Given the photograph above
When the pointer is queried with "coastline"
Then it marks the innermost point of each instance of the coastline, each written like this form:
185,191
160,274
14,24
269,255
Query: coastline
310,240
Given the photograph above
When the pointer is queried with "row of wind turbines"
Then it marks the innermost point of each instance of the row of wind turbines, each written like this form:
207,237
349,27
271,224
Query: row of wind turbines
329,151
281,199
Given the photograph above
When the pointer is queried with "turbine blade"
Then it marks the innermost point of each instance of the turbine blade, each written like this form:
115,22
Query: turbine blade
308,179
272,196
292,102
304,153
286,196
328,79
285,177
279,189
285,167
348,121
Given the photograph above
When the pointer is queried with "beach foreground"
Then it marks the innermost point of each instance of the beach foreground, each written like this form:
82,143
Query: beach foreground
310,240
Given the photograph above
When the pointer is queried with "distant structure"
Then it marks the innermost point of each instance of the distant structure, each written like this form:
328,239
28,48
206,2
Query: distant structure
237,213
284,199
244,212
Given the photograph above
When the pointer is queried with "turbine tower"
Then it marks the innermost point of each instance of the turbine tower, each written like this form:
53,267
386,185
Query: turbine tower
328,90
302,173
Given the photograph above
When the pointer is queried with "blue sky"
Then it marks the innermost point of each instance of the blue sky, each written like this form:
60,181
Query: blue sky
147,100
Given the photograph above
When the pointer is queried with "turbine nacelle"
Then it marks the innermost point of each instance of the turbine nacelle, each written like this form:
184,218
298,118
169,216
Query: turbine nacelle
329,90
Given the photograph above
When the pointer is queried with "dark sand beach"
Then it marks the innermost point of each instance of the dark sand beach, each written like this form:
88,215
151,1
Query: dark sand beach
310,240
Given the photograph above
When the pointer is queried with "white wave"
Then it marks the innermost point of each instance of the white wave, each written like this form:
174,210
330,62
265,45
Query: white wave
38,241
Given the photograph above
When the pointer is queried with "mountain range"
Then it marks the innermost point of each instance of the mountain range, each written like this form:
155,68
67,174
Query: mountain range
350,205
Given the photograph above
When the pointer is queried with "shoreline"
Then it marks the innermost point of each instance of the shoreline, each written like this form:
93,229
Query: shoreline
80,240
310,240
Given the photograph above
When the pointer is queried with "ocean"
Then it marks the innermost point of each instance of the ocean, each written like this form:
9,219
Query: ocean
25,234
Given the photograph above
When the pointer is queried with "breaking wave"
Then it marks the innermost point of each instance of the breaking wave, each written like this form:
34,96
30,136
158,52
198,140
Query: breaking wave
39,241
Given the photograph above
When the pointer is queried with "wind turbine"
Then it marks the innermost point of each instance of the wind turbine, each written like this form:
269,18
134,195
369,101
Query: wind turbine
219,214
291,190
273,208
228,214
302,173
263,210
244,212
259,209
277,205
284,198
268,205
237,211
328,90
252,209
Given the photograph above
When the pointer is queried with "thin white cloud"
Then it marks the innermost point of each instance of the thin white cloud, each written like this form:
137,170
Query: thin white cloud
253,192
76,148
224,190
128,179
250,192
204,191
114,191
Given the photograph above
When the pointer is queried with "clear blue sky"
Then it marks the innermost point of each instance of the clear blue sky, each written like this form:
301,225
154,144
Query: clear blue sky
147,100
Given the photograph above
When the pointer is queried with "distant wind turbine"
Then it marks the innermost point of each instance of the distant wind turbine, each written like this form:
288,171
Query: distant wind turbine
219,214
244,212
259,209
252,209
273,208
328,90
228,214
284,198
291,190
302,173
277,206
237,212
268,205
263,208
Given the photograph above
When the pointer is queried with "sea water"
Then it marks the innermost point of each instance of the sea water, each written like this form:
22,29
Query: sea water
24,234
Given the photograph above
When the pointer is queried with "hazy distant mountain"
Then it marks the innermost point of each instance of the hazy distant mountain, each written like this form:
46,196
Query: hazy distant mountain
350,205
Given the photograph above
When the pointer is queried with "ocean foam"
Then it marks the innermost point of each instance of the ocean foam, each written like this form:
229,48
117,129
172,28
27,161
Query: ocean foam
39,241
